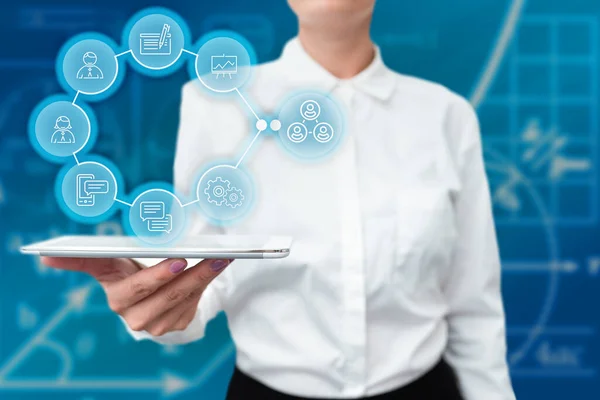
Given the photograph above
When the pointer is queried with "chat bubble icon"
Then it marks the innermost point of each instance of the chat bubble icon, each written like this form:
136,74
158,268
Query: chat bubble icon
161,225
150,210
95,187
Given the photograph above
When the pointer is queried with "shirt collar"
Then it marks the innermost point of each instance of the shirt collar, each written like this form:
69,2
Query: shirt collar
376,80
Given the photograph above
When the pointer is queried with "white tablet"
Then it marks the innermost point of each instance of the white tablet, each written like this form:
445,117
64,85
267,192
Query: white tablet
208,246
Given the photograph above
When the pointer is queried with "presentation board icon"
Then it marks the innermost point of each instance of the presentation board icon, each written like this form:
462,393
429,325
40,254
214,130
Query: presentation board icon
90,70
87,189
224,65
156,43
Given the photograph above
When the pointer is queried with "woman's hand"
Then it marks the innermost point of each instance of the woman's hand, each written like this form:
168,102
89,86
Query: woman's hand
159,299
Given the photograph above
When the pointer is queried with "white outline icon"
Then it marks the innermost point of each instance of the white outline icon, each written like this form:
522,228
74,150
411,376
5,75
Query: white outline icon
90,71
219,191
62,133
158,220
223,65
310,110
297,132
87,187
323,132
156,44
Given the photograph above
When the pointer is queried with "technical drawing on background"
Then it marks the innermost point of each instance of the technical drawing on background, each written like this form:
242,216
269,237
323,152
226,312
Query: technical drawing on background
536,152
535,347
544,114
76,303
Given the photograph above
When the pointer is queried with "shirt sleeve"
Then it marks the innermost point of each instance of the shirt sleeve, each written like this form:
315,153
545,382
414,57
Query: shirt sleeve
477,334
193,150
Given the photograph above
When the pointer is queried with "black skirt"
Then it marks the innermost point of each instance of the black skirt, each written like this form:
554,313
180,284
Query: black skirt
439,383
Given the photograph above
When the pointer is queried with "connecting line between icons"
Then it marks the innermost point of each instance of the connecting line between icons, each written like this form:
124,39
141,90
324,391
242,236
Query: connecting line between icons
76,159
247,104
123,53
190,203
75,98
190,52
124,202
248,149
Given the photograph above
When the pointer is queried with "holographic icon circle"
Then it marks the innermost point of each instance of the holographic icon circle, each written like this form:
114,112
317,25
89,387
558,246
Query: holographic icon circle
157,216
311,125
89,66
223,63
61,129
156,41
225,193
89,189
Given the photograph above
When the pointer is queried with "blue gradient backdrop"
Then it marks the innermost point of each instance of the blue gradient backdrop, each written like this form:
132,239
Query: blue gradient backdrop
530,68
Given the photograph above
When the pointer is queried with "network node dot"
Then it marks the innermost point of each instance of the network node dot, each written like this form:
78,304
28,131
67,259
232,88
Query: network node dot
275,125
261,124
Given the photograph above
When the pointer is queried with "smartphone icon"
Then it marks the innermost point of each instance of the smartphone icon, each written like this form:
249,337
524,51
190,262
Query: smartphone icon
84,199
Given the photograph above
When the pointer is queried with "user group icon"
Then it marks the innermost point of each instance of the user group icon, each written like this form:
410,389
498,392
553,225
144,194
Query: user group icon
90,66
311,125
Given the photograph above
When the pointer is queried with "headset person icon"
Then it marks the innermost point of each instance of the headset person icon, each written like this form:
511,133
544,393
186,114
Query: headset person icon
90,70
62,133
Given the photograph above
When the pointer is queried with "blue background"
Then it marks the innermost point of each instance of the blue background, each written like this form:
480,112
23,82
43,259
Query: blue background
538,104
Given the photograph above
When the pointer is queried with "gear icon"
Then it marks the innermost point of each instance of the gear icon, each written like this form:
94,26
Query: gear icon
234,198
216,190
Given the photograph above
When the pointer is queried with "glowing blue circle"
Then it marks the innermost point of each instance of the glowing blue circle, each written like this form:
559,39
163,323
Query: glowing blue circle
156,215
156,38
224,62
225,194
87,191
311,125
58,128
87,64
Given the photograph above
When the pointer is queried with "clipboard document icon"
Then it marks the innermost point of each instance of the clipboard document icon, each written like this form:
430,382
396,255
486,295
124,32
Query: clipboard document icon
223,65
156,43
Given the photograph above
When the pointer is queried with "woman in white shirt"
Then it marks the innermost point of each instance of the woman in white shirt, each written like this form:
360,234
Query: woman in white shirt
392,290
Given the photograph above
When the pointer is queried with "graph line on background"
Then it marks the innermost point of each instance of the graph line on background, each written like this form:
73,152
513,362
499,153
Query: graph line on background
497,56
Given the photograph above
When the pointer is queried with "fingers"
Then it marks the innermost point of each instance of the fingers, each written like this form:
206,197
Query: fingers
187,287
103,269
176,319
125,293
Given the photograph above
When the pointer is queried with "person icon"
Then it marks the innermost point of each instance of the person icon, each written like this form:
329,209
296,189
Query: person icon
62,133
90,70
297,132
323,132
310,110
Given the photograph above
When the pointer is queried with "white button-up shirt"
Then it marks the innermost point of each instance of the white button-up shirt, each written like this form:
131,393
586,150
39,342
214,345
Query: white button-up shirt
395,262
